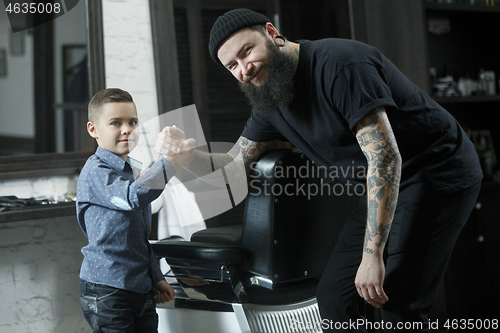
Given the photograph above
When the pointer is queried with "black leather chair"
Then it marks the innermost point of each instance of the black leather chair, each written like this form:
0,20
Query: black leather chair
267,268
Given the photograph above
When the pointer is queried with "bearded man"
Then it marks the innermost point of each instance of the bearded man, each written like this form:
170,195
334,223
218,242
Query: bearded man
345,105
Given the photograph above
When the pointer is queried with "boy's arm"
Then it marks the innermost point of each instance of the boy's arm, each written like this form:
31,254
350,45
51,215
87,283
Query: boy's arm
113,191
165,292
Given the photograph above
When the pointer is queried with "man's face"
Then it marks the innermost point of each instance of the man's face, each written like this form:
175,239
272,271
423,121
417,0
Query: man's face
265,73
114,129
244,54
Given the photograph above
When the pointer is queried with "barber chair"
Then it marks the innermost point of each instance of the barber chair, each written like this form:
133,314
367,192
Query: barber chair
266,269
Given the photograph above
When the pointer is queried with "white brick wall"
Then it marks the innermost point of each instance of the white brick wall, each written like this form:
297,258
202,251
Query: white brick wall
40,262
40,259
129,53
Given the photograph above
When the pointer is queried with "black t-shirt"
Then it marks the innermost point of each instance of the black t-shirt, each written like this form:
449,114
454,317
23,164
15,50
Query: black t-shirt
338,82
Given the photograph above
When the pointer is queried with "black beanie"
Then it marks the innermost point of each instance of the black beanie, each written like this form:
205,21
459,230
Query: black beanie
230,23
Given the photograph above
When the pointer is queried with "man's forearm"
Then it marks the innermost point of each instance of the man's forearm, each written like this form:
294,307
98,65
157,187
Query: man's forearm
204,163
383,189
377,141
244,150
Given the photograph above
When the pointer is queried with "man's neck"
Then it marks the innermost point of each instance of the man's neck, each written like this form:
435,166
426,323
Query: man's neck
292,50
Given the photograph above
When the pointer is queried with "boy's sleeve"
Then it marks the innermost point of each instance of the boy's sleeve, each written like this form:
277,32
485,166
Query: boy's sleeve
119,193
157,175
154,267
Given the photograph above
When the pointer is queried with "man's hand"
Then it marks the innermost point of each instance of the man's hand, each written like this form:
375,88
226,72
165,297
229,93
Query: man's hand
165,292
370,278
173,145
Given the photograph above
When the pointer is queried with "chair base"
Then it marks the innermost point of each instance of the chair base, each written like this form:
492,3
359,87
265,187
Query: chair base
300,317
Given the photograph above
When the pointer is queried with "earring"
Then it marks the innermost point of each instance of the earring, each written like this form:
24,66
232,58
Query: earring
279,40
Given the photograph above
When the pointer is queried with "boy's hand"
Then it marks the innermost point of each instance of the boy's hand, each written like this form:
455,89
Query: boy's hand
165,292
173,145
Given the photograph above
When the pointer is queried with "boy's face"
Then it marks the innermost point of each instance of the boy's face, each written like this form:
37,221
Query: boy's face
114,129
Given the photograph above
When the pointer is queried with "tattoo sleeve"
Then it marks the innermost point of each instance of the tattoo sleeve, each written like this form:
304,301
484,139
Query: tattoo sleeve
377,141
245,149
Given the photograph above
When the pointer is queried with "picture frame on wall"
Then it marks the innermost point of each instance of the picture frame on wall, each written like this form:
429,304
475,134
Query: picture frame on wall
75,97
74,56
17,43
3,63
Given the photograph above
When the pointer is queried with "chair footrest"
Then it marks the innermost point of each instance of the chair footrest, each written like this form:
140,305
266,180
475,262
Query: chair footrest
283,294
199,251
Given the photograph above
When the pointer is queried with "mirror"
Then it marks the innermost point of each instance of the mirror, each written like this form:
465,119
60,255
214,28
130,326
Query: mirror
47,75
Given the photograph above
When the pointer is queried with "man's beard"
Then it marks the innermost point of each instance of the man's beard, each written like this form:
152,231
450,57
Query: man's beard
277,91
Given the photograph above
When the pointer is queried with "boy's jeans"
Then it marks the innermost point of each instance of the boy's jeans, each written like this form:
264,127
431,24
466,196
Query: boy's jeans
108,309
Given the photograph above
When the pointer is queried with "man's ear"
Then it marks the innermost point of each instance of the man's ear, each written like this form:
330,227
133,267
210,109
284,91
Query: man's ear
271,30
92,129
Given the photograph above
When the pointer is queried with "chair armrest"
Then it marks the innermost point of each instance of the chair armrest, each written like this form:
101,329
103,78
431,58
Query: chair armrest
198,251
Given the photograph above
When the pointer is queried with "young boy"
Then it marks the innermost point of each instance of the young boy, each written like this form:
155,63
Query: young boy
120,277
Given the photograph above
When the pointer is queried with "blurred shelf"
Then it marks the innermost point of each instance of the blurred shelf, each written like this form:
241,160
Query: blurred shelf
468,99
463,8
38,212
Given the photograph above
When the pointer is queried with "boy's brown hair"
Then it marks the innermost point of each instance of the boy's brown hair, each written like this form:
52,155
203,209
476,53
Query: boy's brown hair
109,95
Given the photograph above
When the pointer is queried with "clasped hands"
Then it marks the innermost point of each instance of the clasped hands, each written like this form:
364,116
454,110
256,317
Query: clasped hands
173,145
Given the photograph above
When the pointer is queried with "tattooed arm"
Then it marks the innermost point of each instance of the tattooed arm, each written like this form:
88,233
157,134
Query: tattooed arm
244,148
377,141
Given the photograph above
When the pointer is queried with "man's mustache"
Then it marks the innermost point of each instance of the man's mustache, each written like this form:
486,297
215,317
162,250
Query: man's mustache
251,75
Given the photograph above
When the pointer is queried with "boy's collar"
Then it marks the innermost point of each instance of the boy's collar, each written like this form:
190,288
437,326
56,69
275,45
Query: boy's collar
116,160
135,164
